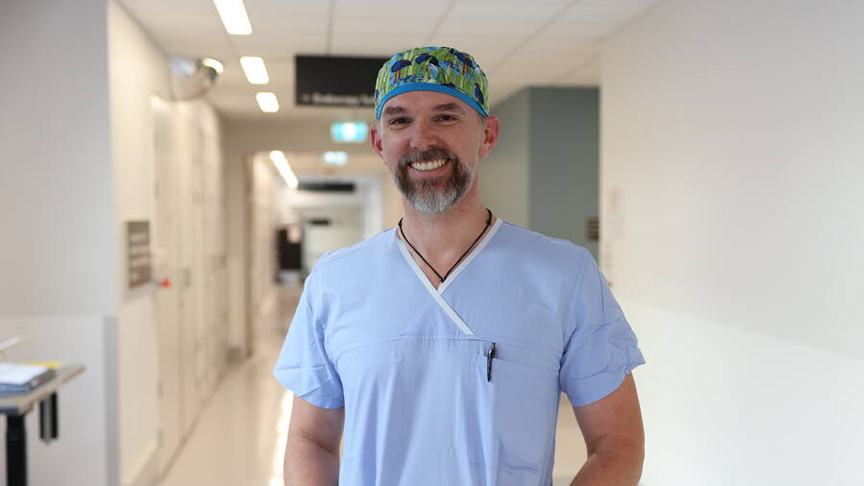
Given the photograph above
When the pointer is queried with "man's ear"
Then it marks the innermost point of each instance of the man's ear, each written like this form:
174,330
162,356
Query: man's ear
375,138
491,128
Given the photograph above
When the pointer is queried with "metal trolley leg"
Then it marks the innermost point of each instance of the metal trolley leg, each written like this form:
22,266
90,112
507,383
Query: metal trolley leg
48,428
16,451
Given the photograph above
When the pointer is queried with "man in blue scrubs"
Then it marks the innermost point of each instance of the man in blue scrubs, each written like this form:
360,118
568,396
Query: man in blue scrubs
440,347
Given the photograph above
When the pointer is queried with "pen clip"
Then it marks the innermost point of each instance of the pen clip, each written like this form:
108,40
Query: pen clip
489,356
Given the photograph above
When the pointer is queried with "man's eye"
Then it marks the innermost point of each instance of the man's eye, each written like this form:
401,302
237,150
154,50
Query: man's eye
445,118
398,121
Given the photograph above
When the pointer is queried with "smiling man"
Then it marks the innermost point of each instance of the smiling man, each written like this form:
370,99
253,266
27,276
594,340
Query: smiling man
440,348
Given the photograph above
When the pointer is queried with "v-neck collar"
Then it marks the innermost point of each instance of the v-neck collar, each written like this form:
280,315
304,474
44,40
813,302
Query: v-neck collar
456,271
436,293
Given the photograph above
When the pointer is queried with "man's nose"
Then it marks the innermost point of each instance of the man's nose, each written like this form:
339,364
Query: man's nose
423,136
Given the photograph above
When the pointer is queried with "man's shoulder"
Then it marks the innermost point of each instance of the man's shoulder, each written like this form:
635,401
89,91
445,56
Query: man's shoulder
534,245
357,254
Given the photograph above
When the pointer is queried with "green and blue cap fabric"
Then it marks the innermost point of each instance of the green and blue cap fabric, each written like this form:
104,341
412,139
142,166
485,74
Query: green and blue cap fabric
441,69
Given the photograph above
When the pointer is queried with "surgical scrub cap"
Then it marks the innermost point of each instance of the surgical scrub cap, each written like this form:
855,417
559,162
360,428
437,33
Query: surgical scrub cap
441,69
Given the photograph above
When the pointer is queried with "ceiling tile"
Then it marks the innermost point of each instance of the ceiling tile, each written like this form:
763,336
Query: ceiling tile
283,26
587,74
577,30
489,11
281,45
393,28
166,20
601,13
554,47
190,51
512,2
195,47
263,9
528,68
390,9
631,4
486,50
457,28
414,3
372,46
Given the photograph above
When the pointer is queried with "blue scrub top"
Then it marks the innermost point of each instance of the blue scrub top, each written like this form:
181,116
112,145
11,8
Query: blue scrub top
409,362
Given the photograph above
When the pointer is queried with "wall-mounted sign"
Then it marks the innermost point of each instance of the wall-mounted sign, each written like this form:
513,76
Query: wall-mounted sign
592,229
336,81
138,257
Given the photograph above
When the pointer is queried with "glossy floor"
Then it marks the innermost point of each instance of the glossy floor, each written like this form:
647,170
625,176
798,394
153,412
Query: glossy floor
240,437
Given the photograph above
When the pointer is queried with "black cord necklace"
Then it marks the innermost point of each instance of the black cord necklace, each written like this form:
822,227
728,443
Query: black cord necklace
488,223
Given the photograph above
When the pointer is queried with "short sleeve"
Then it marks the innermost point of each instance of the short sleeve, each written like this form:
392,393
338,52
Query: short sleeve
303,365
602,348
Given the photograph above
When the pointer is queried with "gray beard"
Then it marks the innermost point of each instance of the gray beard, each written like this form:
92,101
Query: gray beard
427,196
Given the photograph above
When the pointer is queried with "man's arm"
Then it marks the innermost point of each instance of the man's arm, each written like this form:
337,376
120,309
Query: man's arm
612,428
312,451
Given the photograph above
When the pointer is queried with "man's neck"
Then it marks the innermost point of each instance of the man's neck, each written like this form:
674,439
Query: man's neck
443,237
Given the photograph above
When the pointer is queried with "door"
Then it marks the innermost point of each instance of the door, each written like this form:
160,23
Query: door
166,256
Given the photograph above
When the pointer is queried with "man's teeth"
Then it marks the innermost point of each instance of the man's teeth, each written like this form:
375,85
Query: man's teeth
428,165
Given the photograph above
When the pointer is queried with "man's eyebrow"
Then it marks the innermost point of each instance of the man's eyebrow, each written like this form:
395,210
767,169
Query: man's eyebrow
394,110
449,107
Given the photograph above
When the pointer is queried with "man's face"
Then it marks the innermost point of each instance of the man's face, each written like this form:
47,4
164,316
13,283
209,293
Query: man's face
431,143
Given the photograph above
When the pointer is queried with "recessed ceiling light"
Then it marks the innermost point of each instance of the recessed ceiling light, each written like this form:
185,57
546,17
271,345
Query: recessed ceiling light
234,17
256,71
267,102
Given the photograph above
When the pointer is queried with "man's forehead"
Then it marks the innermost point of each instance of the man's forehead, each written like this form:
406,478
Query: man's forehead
423,100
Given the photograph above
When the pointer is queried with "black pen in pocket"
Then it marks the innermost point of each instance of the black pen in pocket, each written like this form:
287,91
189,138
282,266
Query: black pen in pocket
489,356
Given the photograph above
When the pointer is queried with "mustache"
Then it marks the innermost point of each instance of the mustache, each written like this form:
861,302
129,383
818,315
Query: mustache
430,154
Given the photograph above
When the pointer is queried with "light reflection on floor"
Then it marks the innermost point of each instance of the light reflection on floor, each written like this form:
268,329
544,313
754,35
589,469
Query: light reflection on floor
240,437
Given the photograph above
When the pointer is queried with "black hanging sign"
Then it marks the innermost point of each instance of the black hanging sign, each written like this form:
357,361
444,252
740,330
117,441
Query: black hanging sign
336,81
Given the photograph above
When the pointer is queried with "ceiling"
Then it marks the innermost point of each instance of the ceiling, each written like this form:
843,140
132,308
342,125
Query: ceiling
517,43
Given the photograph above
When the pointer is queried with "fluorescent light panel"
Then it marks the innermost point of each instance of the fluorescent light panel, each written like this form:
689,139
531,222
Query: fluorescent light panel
234,17
267,102
256,71
284,168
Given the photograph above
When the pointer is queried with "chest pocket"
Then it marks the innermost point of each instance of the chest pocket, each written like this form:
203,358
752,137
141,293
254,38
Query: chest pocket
511,419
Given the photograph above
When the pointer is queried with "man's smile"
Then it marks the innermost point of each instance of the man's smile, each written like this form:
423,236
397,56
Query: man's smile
428,166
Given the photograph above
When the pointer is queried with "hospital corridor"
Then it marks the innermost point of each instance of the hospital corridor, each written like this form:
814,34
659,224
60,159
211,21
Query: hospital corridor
438,231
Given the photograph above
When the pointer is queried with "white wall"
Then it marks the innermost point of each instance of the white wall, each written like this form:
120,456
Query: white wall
731,192
265,185
54,140
57,254
194,252
137,70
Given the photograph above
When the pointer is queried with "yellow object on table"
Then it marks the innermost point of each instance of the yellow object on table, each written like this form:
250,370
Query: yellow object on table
51,365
